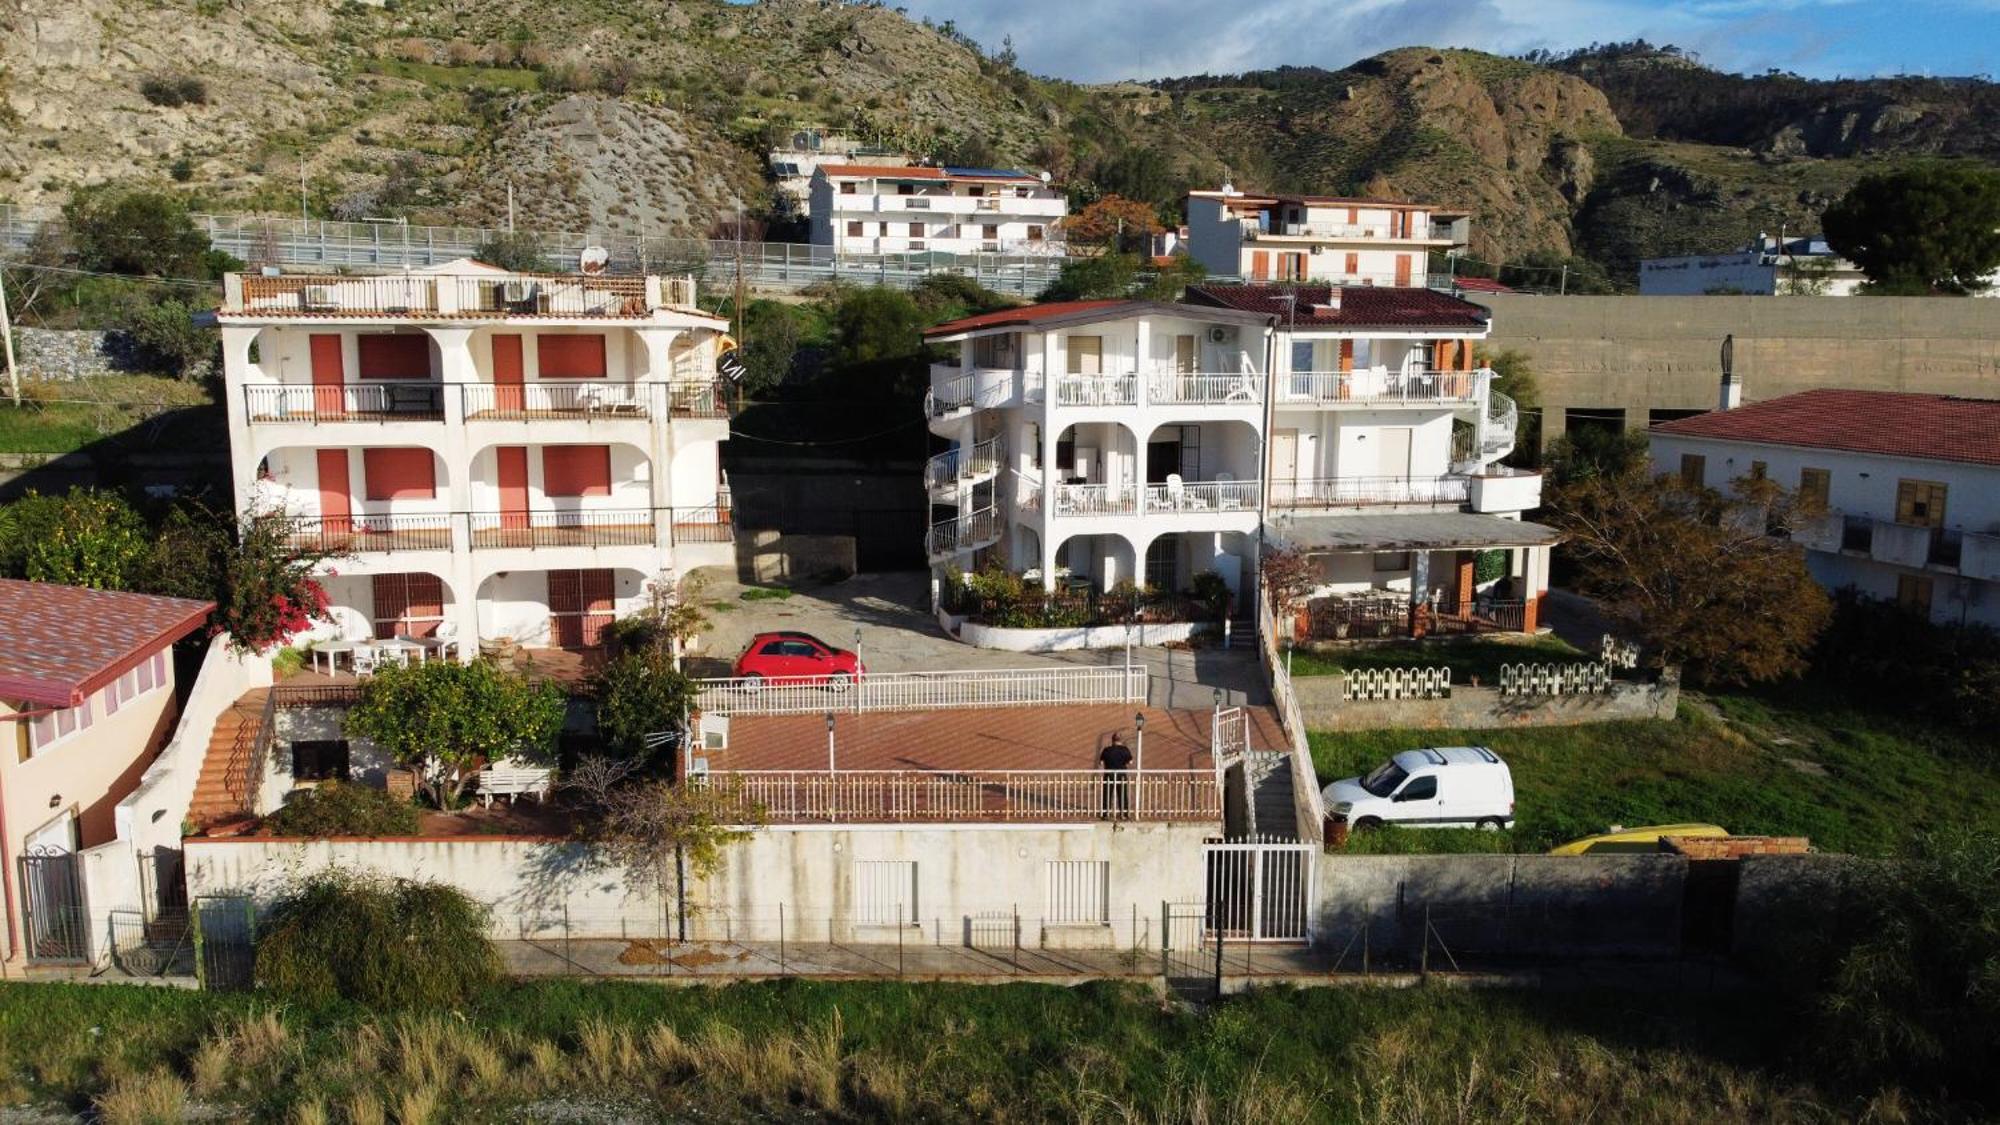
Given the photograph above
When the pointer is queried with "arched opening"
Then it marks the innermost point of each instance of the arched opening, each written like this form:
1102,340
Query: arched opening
357,500
1097,562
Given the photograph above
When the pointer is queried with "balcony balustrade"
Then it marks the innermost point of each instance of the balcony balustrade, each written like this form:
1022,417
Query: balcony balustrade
1379,385
1096,390
1362,492
383,401
370,534
1205,389
462,296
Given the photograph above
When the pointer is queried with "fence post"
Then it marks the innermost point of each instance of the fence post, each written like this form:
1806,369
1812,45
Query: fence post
1166,938
1017,937
1218,962
899,939
569,958
781,939
1424,962
200,962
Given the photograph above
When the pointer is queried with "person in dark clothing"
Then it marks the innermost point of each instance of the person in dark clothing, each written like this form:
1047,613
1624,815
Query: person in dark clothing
1116,759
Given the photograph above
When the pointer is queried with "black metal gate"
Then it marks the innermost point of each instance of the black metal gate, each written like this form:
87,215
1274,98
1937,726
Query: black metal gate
1189,951
225,942
52,906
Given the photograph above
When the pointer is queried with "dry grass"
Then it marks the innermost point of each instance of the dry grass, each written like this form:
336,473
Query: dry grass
153,1098
364,1107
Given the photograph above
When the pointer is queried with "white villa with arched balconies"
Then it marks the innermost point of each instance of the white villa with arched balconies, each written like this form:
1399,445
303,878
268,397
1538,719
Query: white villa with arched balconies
491,456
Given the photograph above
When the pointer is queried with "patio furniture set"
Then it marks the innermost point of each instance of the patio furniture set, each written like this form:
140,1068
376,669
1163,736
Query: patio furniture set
365,654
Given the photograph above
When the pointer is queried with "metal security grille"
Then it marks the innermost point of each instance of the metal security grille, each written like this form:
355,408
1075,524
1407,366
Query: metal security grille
885,891
52,905
1079,890
1260,891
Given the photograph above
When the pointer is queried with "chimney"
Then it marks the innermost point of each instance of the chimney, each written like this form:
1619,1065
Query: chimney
1331,303
1732,390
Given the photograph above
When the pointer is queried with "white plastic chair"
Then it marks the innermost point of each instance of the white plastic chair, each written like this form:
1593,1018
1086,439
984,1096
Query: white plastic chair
364,659
1176,491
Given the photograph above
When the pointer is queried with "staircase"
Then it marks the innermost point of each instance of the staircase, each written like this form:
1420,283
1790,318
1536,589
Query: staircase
222,792
1268,776
1243,632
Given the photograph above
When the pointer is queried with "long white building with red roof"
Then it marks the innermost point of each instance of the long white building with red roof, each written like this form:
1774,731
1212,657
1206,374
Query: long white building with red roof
869,209
1909,485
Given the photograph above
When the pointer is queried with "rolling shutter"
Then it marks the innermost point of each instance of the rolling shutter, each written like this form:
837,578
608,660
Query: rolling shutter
570,357
399,474
401,355
576,470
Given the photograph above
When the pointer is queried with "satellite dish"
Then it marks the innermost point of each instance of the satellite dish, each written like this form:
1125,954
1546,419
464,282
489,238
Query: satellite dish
1046,177
593,260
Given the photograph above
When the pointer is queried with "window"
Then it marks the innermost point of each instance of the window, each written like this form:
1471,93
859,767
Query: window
319,760
995,351
1694,469
1759,470
1913,593
1302,360
1420,789
906,189
581,603
1034,432
49,729
1353,263
399,474
149,674
402,355
885,892
1920,503
1391,561
1815,488
1034,232
576,470
854,229
1084,354
1020,193
570,357
408,605
1184,355
1078,892
989,230
849,188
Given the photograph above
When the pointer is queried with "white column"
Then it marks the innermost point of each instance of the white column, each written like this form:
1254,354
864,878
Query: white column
1140,351
239,373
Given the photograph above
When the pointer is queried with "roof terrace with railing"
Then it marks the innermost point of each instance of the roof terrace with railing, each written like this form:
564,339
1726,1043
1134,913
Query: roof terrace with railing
479,293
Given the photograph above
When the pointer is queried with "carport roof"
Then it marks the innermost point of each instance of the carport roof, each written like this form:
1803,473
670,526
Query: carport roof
1419,531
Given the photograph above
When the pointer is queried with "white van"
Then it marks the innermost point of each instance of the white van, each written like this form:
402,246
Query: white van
1443,787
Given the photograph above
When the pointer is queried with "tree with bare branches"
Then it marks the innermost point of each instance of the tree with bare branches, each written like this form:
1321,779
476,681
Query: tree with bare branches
659,831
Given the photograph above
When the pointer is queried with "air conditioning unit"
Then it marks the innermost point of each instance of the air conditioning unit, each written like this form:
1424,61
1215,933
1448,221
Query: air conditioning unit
316,298
714,732
1221,334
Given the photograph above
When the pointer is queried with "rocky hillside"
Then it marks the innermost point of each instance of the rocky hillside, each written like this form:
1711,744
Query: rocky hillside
634,116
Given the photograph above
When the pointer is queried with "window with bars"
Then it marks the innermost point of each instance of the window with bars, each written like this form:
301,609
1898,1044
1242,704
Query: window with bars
1079,892
581,605
408,605
885,892
1815,488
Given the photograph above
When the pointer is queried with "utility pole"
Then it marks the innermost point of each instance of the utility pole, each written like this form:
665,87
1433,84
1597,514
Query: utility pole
7,345
303,217
510,207
1563,289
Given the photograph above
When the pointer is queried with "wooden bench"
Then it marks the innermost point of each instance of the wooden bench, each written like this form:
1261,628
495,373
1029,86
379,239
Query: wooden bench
512,781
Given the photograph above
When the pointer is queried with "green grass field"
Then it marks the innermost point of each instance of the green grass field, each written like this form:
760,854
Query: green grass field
1474,656
64,417
792,1051
1852,781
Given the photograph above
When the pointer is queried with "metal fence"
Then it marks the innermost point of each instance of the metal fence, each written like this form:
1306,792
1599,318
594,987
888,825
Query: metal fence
956,796
782,265
919,691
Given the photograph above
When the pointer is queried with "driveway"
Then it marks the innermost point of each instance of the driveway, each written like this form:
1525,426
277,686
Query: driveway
891,613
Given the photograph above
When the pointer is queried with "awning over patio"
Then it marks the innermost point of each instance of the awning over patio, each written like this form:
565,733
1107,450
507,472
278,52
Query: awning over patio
1417,531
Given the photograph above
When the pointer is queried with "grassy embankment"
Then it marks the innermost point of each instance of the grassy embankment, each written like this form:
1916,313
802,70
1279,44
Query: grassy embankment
797,1050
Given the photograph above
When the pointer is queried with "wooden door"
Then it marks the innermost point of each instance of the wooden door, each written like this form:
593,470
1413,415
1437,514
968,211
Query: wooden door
509,393
1260,265
513,473
336,492
1402,269
580,606
1284,466
328,376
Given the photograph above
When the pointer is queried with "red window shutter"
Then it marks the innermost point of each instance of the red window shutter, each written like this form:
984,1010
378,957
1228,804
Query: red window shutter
1353,263
576,470
404,355
408,604
399,474
570,357
1347,355
580,606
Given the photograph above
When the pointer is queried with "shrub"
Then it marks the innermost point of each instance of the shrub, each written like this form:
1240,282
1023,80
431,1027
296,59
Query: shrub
1878,650
337,809
442,718
519,251
173,90
1212,591
166,340
380,943
641,694
136,232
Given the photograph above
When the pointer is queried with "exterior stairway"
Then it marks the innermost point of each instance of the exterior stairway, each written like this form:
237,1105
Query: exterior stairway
1268,775
221,793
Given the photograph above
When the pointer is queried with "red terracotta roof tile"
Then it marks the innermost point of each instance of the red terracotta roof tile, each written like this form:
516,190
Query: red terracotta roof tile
890,171
1893,423
1369,306
60,643
1026,314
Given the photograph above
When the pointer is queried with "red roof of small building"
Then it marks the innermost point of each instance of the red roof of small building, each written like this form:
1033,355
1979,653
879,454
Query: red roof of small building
1891,423
58,644
1370,306
1026,314
1479,285
896,171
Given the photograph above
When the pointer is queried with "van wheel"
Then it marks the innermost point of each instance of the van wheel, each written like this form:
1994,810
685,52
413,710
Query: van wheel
1367,824
1492,824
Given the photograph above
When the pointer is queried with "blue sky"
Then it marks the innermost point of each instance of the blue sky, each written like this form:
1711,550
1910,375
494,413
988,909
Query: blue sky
1099,40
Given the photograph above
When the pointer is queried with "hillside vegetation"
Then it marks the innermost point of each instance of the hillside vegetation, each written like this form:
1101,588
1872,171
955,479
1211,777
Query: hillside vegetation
631,118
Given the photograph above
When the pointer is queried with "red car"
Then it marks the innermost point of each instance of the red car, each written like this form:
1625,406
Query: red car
797,658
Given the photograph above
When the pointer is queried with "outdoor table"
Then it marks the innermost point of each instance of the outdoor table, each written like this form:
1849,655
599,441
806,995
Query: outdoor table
332,650
432,647
399,650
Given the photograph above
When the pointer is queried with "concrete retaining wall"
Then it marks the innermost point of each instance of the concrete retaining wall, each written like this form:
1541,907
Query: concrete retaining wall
1481,708
1062,640
1488,906
773,556
1637,354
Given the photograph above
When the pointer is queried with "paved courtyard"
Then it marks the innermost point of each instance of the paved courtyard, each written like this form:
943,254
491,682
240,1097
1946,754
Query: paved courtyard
897,633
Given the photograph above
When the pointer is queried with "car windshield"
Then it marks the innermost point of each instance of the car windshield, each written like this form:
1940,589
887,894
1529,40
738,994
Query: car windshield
1385,779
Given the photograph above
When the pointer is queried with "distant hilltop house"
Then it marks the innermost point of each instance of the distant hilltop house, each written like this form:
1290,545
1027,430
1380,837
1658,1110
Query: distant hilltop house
862,209
1321,238
1905,486
794,162
1785,267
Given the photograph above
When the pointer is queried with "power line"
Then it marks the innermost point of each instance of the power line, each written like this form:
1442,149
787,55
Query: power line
144,278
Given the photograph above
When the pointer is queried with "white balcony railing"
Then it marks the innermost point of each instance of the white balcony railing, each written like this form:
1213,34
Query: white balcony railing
593,400
383,401
475,296
1380,385
1096,500
1203,496
953,390
898,796
1096,390
1180,389
967,532
957,466
1346,492
926,691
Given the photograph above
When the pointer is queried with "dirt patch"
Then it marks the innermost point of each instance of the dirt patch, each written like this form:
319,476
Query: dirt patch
647,951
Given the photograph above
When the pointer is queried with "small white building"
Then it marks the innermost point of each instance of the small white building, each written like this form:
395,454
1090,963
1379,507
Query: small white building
794,162
1261,238
1792,267
1098,442
863,209
1910,485
493,456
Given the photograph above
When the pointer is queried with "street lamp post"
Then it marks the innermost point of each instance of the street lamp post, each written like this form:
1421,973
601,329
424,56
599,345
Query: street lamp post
829,742
1138,761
